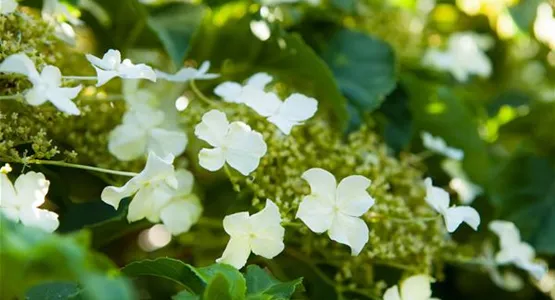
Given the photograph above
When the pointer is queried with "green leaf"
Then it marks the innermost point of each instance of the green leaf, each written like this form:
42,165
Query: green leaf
524,13
219,289
259,282
524,192
53,291
171,269
185,295
226,40
175,24
237,283
363,66
398,126
438,110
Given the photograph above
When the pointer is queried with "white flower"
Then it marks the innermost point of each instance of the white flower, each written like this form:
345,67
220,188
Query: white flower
506,279
260,233
186,74
337,208
46,85
235,143
20,202
416,287
463,57
515,251
54,10
438,145
438,199
296,109
135,96
184,209
544,25
231,91
153,188
7,7
111,66
141,133
460,183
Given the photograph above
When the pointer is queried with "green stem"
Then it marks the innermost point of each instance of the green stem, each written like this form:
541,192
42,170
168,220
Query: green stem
209,222
415,220
77,166
11,97
200,95
80,77
291,224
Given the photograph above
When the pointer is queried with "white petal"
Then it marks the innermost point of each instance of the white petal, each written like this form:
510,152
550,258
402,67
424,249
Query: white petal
392,293
244,148
104,76
268,232
265,104
316,213
350,231
536,270
51,75
109,62
298,107
237,224
8,196
229,91
10,213
508,233
164,142
456,215
259,80
31,189
179,215
58,97
140,71
283,124
213,128
148,202
202,72
20,64
436,197
127,142
416,287
185,181
322,182
236,252
39,218
182,75
352,197
7,7
35,96
211,159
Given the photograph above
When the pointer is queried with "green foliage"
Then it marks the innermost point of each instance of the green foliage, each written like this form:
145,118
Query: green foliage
260,283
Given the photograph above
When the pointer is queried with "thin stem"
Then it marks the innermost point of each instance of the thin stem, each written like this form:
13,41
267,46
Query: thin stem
291,224
80,77
113,97
77,166
199,94
415,220
11,97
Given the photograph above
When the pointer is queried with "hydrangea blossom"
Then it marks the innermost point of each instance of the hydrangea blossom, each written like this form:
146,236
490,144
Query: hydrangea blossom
54,9
438,145
460,183
296,109
20,202
514,251
7,7
416,287
337,208
141,132
439,200
111,66
260,233
46,85
544,25
463,57
235,143
153,188
186,74
232,91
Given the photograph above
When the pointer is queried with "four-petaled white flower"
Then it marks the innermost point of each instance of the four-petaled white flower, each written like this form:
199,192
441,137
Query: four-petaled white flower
111,66
7,7
153,188
296,109
463,57
337,208
439,200
141,132
260,233
186,74
184,209
59,12
232,91
235,143
46,85
514,250
438,145
416,287
20,202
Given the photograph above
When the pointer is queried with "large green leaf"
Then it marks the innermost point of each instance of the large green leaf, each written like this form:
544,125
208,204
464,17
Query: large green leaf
398,127
53,291
363,66
260,282
175,24
524,13
237,283
168,268
226,40
438,110
524,192
219,288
